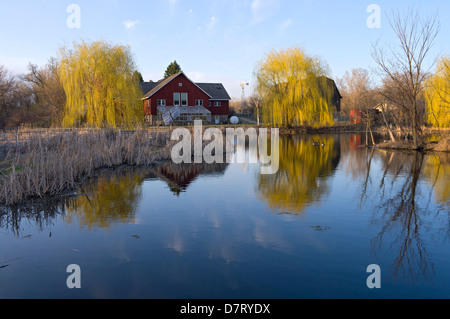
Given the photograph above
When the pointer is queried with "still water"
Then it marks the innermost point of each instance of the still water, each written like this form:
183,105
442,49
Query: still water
225,231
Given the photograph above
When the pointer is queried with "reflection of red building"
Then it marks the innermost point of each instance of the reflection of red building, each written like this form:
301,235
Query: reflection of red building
355,141
180,176
355,116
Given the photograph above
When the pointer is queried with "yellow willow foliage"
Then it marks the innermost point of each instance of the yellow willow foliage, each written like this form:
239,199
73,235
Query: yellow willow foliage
437,171
438,95
300,180
109,200
289,83
100,90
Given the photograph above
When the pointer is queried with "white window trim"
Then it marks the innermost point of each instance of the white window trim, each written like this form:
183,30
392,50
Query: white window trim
161,102
198,102
217,103
174,99
187,99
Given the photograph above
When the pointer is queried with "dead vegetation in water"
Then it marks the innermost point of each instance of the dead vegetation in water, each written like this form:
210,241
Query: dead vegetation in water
49,166
442,146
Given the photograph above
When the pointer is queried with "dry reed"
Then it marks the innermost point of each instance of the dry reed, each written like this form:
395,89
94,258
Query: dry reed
49,166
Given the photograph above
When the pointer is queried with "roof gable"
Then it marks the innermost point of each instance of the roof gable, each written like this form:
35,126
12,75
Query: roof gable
164,82
327,83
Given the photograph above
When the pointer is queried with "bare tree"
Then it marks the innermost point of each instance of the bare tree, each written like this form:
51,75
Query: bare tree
359,93
15,98
48,92
7,82
405,65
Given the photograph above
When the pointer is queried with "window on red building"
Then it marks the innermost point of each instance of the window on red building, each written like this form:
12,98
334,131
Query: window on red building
176,99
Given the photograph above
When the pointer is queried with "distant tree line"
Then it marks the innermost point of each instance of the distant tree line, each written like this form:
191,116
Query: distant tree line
35,97
409,96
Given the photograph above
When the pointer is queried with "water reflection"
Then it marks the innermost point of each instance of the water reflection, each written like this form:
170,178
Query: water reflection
110,198
180,176
302,176
398,202
437,171
40,213
399,195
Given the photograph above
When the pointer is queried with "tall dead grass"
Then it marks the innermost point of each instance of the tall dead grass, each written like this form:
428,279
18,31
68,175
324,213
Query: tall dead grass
49,166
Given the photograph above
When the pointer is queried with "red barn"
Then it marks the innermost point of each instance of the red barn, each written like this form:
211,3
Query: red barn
209,102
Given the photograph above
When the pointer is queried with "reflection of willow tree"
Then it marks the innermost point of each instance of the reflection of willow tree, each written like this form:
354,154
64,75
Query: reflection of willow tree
402,212
300,179
437,170
110,198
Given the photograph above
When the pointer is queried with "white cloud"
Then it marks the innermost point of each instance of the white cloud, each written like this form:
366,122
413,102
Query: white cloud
129,24
263,9
285,24
173,5
190,11
212,22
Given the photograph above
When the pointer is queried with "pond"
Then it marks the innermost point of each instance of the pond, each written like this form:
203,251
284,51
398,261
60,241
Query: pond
225,231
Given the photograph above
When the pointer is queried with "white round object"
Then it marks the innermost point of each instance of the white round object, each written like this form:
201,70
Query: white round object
234,120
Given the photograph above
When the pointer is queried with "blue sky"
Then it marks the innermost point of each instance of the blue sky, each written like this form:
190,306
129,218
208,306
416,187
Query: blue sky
215,40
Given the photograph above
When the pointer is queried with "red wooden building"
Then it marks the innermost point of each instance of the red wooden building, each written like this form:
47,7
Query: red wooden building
355,116
207,101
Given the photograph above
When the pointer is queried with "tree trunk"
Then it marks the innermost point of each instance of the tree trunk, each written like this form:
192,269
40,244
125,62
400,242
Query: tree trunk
414,126
391,135
370,129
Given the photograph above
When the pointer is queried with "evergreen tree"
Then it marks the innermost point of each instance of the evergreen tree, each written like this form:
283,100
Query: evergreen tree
172,69
137,75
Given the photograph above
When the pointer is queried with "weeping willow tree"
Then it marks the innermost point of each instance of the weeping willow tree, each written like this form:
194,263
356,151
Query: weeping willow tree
289,83
100,88
438,95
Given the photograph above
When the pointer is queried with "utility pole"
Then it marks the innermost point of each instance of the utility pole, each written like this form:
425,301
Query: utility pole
257,112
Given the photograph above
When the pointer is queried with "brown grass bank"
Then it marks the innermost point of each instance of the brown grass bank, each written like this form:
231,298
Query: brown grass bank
50,166
442,146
